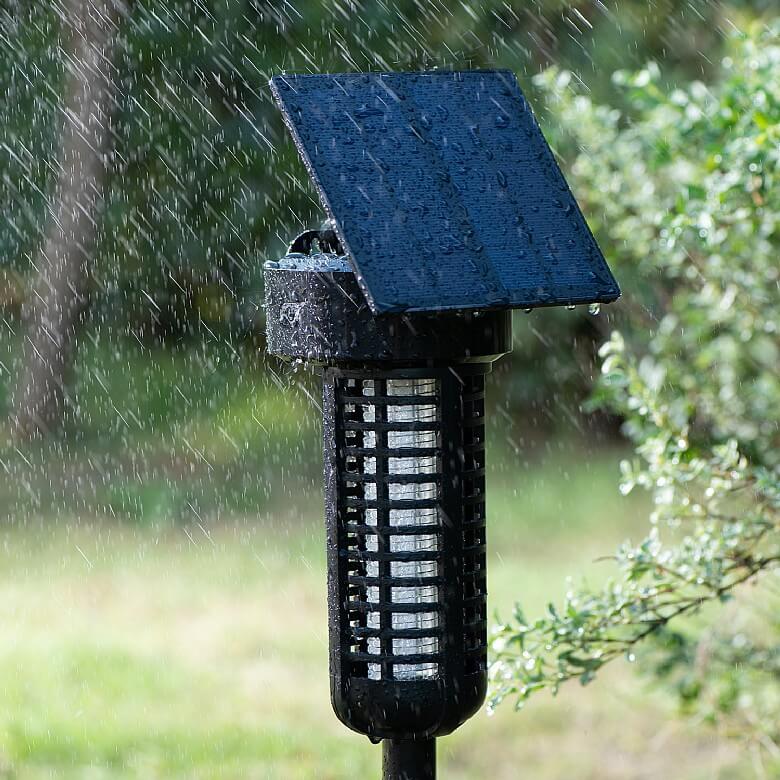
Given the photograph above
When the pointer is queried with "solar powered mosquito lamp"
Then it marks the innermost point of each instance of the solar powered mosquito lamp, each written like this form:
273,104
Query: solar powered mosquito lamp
447,210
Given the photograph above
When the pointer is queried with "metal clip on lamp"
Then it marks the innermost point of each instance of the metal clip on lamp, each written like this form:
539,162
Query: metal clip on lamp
448,211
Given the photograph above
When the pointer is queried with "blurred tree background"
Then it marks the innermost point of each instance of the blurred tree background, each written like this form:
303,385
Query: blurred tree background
199,184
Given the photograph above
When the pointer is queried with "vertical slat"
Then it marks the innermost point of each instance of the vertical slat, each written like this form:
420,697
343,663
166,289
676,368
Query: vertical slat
333,448
474,630
452,509
383,521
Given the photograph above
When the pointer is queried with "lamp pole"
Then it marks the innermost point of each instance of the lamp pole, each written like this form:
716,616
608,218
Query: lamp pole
409,759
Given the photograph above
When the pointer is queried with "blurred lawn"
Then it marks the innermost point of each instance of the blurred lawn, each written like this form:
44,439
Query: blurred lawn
199,650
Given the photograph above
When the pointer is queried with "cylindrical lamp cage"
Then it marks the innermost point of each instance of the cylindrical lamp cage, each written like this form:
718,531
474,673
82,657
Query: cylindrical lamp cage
405,495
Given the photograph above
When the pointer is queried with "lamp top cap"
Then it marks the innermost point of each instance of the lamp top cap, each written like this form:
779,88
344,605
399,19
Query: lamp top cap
443,191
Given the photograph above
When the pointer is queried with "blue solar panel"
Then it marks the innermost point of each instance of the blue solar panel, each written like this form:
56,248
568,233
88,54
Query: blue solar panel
443,190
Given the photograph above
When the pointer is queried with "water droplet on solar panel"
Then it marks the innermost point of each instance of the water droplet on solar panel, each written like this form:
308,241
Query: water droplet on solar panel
366,111
502,120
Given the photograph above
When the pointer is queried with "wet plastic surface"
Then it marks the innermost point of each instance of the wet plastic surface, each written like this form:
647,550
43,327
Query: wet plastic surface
443,191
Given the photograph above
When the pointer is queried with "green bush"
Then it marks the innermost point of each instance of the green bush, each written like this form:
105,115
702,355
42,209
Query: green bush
688,186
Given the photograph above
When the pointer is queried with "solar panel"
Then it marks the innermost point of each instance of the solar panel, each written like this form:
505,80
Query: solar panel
443,190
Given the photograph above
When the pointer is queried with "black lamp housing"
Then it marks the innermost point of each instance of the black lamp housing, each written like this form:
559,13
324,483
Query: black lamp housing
404,452
447,210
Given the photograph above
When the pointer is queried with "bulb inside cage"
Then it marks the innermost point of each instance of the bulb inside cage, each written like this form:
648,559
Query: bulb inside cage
415,637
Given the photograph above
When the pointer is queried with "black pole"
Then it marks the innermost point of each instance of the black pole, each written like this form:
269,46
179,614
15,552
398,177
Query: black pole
406,759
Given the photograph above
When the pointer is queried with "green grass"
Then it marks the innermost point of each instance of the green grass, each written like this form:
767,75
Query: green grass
198,649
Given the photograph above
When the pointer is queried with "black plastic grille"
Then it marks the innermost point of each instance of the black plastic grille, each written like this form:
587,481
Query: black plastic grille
473,495
413,586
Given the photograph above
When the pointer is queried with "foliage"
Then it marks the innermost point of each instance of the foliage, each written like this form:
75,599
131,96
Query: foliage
689,191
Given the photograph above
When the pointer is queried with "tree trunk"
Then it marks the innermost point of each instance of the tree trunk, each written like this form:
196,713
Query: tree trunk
56,302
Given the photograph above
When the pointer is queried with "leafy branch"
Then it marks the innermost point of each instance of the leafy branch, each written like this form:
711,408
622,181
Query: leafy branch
689,189
657,585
